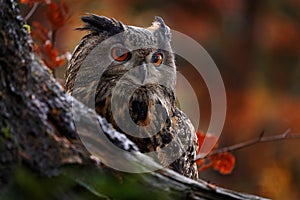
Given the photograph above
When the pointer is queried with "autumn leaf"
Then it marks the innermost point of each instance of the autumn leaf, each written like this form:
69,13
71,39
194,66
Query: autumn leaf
205,142
51,57
57,14
223,162
44,37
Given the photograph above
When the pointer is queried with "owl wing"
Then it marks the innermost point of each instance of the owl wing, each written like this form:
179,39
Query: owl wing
185,136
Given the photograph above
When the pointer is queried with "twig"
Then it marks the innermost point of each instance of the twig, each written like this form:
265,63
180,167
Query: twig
261,139
53,39
32,10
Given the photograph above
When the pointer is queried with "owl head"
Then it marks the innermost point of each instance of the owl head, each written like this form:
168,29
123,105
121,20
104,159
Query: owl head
125,72
117,52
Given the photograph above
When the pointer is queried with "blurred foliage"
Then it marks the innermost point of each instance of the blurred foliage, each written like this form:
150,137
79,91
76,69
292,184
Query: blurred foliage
27,185
109,183
256,46
77,182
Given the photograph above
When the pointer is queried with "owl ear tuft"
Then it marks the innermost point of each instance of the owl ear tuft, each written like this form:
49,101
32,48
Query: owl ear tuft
162,27
160,22
99,24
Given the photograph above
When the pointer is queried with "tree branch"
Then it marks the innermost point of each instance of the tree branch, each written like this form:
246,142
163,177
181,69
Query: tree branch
261,139
31,12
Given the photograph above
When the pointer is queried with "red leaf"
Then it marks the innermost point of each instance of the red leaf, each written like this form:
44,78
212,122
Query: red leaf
57,14
51,57
223,162
206,142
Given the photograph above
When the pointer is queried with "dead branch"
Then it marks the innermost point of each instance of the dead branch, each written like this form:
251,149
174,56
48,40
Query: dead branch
261,139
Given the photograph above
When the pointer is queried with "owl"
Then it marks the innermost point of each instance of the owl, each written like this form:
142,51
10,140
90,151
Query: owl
131,72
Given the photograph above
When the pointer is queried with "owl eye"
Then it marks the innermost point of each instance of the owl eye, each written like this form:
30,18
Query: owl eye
120,54
157,59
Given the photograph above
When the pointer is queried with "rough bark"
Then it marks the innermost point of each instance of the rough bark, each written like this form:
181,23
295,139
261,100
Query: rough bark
37,129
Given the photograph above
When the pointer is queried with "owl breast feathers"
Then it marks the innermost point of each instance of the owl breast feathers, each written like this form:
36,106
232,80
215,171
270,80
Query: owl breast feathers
128,75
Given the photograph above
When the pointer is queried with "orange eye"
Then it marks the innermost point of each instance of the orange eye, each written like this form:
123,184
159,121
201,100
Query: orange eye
157,59
120,54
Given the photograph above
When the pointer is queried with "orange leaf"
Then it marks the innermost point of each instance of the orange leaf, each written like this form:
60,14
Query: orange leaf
206,142
51,57
223,162
57,14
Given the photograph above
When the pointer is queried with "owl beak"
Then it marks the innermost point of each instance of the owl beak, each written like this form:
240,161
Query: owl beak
143,72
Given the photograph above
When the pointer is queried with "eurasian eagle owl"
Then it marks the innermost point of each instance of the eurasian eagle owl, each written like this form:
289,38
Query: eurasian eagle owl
135,75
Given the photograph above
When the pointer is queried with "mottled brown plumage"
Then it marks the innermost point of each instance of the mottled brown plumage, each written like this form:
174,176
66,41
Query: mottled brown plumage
128,75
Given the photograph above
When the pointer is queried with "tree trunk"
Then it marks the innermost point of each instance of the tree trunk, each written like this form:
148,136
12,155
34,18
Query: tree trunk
38,133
